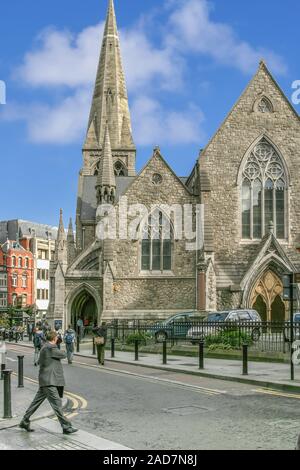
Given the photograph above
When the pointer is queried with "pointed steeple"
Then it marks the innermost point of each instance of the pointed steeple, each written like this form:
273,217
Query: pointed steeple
61,242
61,235
110,100
71,243
106,180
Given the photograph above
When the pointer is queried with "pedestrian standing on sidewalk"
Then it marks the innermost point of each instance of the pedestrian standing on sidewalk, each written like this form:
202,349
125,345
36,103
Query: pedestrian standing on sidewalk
80,328
38,341
69,339
59,337
51,385
100,337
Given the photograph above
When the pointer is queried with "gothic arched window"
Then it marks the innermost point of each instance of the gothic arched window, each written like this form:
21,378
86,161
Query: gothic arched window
157,241
264,186
265,106
120,169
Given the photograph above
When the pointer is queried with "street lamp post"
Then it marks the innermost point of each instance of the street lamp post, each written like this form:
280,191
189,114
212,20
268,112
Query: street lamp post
289,294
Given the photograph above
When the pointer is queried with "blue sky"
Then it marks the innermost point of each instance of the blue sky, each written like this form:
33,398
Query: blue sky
186,62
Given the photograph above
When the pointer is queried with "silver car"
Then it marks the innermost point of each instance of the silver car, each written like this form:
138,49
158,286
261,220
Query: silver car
245,318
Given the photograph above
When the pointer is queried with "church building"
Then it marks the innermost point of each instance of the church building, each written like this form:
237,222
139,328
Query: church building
247,180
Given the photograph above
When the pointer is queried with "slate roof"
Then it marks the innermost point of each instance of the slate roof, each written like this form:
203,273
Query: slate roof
89,202
10,228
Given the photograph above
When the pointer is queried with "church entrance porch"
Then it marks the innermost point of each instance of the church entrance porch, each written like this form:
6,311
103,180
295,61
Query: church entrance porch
266,298
84,307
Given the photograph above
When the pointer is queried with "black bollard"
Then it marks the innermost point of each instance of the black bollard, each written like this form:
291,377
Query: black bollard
3,367
136,350
94,347
201,355
7,394
21,372
78,344
113,347
164,352
245,359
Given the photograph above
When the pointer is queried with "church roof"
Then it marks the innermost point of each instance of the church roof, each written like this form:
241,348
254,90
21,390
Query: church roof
89,201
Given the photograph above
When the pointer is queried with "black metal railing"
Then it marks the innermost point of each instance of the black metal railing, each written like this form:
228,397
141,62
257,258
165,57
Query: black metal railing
259,336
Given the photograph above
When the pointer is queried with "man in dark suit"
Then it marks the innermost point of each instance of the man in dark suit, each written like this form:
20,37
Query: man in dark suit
51,384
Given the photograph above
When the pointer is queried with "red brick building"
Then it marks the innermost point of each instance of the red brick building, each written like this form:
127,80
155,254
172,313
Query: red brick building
19,263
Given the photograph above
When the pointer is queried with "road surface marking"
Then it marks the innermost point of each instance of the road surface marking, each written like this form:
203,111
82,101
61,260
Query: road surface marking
278,394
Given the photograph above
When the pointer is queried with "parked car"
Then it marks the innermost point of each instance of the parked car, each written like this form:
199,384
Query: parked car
217,322
175,327
296,329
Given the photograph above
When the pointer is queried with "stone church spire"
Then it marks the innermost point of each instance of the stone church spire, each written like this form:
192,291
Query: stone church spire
106,180
71,243
110,103
61,242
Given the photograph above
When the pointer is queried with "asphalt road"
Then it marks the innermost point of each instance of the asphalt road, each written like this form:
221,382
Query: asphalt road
144,408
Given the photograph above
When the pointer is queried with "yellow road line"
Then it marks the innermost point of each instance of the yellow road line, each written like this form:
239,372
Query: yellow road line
277,393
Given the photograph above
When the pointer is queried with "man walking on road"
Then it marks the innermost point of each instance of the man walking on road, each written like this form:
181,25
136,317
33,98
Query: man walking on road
51,384
69,339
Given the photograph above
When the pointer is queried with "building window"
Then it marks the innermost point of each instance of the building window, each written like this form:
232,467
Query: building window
14,300
120,169
43,254
13,262
52,255
26,263
265,106
3,280
20,263
14,280
24,300
3,300
157,243
24,280
264,189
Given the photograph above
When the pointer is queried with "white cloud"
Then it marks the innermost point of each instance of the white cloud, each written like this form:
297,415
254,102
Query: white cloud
193,29
64,123
153,124
68,62
62,59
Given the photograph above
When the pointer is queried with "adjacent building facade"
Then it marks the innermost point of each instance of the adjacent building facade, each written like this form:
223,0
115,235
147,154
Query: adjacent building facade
247,180
39,239
20,274
3,283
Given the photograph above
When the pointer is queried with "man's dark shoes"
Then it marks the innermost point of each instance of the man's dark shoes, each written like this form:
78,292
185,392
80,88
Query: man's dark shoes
69,430
26,426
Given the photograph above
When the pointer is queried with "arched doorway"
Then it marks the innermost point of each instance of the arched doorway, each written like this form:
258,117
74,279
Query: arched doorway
266,297
278,310
84,306
261,307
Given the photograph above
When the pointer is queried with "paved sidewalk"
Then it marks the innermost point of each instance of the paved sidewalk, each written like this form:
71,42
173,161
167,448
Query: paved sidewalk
264,374
48,436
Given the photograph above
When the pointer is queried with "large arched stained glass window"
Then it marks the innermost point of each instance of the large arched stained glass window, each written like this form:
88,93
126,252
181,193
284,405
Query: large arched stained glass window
157,238
264,187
